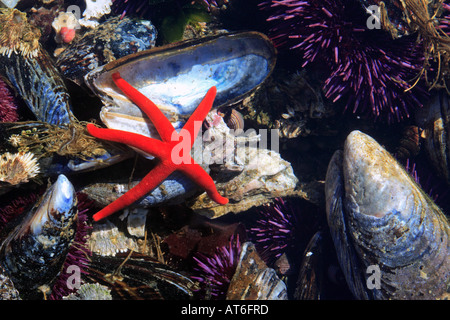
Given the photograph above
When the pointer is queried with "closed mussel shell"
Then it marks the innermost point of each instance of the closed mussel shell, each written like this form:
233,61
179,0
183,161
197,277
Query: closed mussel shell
34,247
27,67
113,39
392,241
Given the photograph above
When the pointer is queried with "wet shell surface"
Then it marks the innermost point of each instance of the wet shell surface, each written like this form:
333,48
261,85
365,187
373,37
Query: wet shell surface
381,220
253,280
33,250
138,276
34,149
177,77
111,40
7,289
436,125
27,68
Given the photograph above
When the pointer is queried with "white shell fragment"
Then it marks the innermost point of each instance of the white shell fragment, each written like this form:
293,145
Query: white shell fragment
95,9
136,222
8,3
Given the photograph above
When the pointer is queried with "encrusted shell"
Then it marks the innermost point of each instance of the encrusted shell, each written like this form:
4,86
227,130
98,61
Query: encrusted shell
380,219
264,175
253,280
18,36
27,68
33,251
111,40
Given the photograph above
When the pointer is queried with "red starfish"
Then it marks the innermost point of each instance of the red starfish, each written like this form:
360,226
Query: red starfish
160,149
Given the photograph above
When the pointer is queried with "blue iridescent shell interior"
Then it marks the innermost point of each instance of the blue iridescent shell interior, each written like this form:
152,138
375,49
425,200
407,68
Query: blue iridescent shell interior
178,78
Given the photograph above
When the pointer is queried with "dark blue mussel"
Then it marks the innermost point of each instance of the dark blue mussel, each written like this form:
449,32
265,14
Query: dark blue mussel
110,40
33,247
27,68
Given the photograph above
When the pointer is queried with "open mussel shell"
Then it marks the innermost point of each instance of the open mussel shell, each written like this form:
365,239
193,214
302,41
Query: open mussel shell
392,241
176,77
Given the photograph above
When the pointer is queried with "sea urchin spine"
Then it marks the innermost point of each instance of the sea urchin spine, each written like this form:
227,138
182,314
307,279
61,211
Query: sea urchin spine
215,272
371,70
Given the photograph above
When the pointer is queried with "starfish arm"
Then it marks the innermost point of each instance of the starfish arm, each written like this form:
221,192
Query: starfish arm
159,120
152,146
145,186
200,113
197,174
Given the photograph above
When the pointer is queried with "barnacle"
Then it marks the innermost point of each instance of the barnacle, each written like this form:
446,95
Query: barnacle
18,167
17,35
90,291
107,240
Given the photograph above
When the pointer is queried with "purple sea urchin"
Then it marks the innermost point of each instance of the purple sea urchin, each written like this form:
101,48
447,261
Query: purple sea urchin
274,232
371,70
214,4
16,205
444,21
215,272
8,104
432,185
78,254
130,7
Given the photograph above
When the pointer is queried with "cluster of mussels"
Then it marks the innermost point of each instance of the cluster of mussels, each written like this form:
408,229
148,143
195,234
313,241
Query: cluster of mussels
316,130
